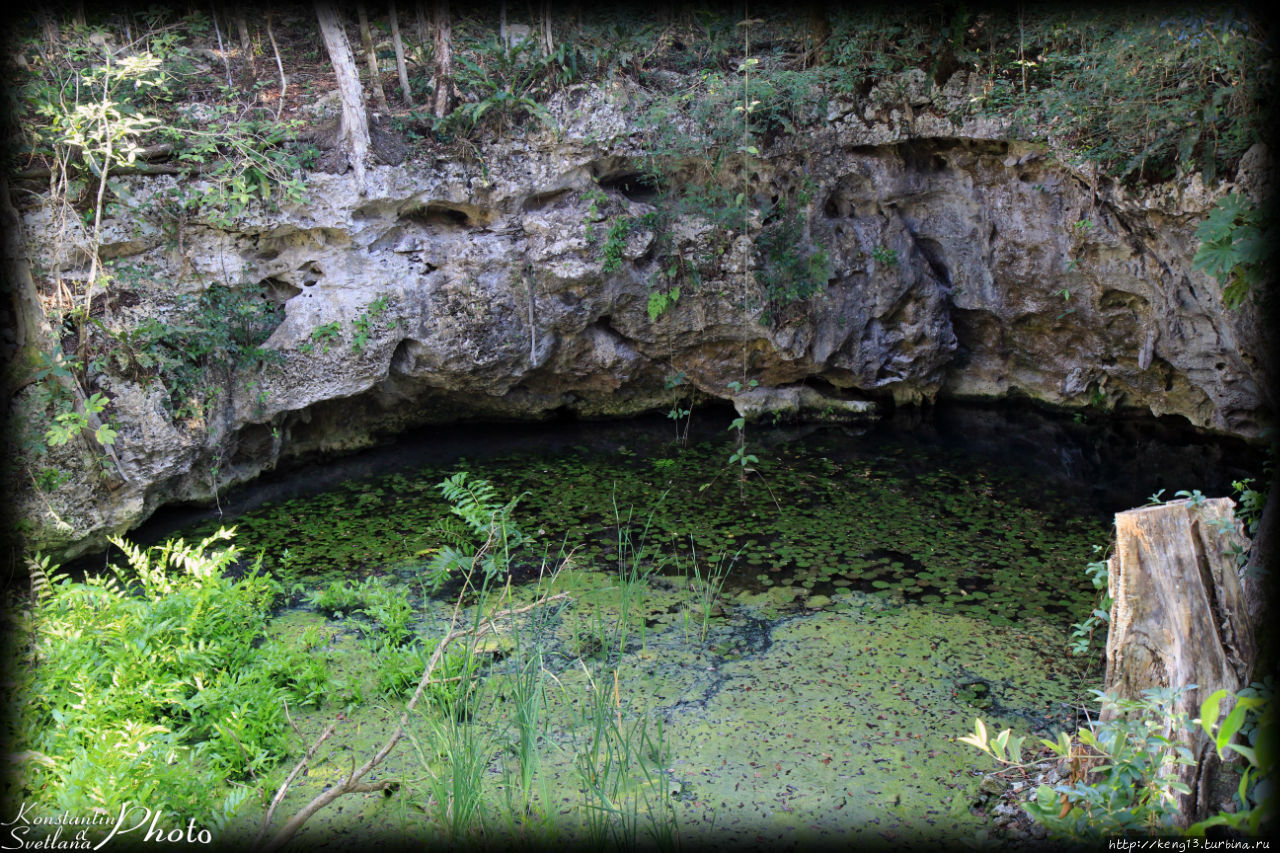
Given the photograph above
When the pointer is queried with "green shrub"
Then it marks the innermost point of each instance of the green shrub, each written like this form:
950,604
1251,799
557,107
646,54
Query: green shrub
148,684
387,607
1124,778
399,670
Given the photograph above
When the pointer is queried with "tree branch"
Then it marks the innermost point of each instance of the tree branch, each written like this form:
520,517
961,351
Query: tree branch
352,783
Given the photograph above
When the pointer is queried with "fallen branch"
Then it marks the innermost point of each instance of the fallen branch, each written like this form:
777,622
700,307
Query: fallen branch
352,784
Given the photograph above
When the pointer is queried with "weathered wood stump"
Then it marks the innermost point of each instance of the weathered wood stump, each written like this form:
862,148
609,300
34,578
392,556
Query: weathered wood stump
1180,615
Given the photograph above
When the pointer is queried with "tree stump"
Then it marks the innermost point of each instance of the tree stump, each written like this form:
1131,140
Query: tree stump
1180,616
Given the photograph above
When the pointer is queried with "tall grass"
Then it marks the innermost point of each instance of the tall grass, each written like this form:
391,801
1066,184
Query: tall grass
621,769
705,588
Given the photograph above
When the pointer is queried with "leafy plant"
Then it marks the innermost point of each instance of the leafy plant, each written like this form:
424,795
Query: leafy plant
490,537
884,255
1123,770
1082,633
1253,715
68,424
1235,242
201,345
659,302
337,598
324,335
150,682
1249,504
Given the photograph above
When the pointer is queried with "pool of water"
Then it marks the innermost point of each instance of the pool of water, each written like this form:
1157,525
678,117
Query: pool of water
882,586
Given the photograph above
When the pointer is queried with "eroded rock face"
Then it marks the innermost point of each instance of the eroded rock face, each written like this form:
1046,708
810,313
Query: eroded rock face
961,265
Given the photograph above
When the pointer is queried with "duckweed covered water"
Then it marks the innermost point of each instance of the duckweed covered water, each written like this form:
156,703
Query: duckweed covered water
880,594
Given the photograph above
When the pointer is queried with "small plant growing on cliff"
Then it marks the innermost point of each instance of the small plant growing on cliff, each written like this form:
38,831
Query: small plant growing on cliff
659,302
1234,243
324,335
884,256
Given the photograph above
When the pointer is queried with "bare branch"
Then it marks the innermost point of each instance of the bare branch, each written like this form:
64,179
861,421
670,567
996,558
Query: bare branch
352,783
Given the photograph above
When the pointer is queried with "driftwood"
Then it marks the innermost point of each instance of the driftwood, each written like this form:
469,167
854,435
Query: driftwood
1180,616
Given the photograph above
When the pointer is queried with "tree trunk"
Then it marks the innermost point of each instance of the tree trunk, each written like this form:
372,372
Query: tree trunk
355,123
548,42
246,43
371,59
401,71
502,25
1179,616
442,36
284,81
819,36
424,31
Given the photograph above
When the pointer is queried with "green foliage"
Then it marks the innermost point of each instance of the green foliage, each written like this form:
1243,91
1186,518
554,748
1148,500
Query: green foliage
64,420
505,85
659,302
337,598
91,105
399,669
1082,633
885,256
1253,719
792,268
151,685
325,334
387,608
70,423
1235,241
1195,496
1249,504
200,346
1142,93
492,535
1126,769
616,243
620,764
1124,777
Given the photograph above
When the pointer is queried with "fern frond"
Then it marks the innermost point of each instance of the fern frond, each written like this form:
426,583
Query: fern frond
43,576
450,530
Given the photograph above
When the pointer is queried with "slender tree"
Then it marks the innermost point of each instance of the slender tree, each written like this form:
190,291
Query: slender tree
371,58
545,35
355,123
401,71
246,43
442,36
819,52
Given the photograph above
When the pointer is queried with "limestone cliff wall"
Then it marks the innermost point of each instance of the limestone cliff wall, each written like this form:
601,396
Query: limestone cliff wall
963,264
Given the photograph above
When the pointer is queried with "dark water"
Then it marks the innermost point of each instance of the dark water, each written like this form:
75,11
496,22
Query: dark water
986,511
1106,466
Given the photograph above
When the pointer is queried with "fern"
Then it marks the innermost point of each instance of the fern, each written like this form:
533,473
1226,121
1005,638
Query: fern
488,527
231,805
43,576
476,502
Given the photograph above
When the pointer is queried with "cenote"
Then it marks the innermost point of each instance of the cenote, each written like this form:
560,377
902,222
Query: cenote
782,658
